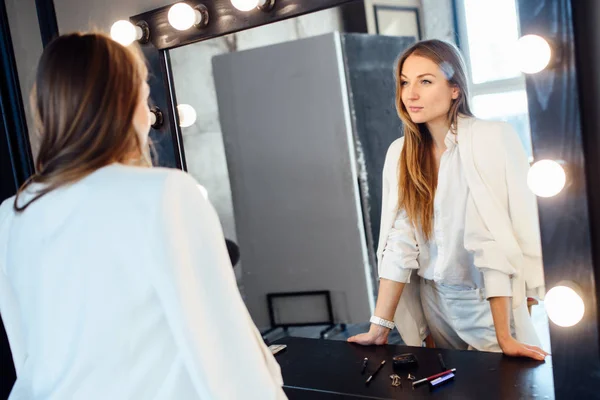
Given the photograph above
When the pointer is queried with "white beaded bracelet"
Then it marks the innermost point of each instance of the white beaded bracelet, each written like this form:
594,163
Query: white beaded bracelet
383,322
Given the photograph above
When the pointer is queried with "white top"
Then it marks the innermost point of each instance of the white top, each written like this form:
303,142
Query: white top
120,287
501,225
446,259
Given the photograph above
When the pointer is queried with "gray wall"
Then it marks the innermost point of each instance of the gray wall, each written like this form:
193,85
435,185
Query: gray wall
438,20
289,144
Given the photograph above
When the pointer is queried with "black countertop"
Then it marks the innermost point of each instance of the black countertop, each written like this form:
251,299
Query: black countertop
329,369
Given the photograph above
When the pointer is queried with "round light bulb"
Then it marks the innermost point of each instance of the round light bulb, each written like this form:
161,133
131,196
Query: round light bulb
533,54
124,32
246,5
182,16
187,115
546,178
564,306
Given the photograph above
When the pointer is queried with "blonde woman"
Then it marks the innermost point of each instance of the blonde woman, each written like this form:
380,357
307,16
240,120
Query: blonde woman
115,282
459,244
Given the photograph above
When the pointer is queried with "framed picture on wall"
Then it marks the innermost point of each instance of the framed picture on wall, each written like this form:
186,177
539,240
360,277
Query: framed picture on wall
397,21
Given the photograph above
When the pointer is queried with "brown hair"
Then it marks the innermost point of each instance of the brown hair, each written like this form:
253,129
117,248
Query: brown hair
84,99
417,175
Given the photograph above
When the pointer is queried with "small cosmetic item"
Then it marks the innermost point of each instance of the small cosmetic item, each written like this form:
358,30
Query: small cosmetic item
396,380
441,380
442,363
432,377
403,361
375,373
364,365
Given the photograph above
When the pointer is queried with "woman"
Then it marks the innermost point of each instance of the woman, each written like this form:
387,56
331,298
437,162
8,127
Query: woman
457,219
115,282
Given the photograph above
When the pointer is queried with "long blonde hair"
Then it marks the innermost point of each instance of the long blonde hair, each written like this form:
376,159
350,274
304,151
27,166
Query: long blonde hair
417,174
84,99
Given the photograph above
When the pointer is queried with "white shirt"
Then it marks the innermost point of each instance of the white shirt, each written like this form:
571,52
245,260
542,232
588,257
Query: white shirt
120,287
446,261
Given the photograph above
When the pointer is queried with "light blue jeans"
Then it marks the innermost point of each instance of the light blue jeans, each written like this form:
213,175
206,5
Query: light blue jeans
458,317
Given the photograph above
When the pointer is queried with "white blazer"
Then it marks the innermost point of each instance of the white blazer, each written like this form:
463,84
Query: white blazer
495,167
120,287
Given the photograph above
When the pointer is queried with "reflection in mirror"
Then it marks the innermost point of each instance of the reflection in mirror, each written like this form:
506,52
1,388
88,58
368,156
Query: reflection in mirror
272,112
293,123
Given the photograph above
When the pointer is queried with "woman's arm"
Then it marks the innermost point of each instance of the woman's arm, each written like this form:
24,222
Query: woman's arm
491,259
196,286
387,301
398,257
497,271
511,347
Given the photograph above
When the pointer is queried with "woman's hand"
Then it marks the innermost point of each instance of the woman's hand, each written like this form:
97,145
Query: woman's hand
510,346
387,302
514,348
377,335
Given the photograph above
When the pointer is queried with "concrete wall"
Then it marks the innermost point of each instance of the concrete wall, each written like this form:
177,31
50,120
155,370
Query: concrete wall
438,19
436,16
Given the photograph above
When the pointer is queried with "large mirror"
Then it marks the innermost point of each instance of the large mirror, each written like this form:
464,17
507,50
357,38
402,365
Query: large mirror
286,127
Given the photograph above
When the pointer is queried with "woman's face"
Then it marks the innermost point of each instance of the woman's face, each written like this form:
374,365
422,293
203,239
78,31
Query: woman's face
141,117
426,93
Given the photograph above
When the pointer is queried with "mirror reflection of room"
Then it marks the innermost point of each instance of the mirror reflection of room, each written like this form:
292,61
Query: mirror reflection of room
343,200
303,201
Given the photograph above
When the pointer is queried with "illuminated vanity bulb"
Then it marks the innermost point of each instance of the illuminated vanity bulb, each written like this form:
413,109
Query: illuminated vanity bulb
533,54
182,16
187,115
546,178
564,306
125,32
247,5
